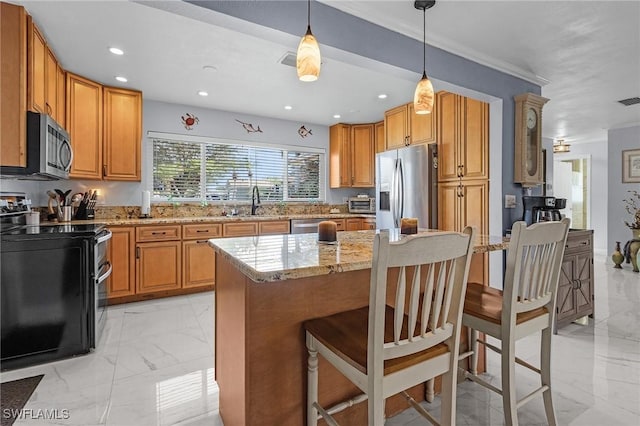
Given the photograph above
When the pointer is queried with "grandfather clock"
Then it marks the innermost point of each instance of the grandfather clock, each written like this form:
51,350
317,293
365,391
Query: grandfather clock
528,140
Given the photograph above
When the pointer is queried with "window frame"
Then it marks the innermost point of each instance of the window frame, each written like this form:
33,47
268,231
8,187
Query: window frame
203,140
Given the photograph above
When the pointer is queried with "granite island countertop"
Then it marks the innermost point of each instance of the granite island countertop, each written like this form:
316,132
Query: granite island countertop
269,258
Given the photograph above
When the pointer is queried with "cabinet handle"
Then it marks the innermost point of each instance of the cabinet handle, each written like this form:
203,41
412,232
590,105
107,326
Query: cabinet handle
49,110
201,242
159,233
203,230
460,170
137,252
104,170
352,180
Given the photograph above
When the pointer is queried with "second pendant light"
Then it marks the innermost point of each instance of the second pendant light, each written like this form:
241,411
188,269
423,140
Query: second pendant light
308,57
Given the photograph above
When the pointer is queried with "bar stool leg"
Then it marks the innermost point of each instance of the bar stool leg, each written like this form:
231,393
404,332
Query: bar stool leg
312,386
473,343
508,381
545,374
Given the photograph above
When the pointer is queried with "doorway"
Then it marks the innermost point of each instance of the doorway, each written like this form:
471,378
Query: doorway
572,180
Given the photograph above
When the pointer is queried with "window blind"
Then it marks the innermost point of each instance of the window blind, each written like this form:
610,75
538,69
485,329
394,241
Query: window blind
188,170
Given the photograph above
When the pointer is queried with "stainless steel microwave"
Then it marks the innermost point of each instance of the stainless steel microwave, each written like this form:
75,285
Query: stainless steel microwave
362,205
49,152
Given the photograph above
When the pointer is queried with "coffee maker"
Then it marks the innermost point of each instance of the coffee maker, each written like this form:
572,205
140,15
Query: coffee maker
542,209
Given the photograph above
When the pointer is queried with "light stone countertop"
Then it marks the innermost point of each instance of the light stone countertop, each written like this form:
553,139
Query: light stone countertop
269,258
203,219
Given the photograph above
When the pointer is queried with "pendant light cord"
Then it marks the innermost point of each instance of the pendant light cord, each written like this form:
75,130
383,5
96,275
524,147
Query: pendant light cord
424,42
308,13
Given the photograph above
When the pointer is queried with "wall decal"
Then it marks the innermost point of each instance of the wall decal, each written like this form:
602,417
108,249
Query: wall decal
189,121
304,132
249,127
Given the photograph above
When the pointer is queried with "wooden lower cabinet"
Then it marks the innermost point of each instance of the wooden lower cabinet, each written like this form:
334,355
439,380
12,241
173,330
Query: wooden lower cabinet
158,266
575,298
353,224
122,248
369,223
198,264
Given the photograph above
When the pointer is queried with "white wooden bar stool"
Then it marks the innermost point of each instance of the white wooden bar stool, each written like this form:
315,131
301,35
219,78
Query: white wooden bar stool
384,350
526,306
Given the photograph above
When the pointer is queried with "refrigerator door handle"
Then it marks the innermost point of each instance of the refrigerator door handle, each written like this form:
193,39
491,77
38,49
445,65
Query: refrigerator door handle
400,191
393,195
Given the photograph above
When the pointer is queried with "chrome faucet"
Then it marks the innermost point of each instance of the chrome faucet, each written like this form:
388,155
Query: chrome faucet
255,193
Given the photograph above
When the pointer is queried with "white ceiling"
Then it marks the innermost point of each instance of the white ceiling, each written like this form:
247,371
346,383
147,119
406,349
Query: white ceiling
587,53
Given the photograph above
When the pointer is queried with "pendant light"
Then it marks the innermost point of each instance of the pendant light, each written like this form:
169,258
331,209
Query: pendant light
308,57
423,98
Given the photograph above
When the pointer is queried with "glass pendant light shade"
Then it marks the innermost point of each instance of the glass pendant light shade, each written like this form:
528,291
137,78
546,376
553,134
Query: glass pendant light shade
308,58
423,98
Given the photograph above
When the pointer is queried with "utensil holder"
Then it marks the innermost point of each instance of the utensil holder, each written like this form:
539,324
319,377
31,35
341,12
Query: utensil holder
64,214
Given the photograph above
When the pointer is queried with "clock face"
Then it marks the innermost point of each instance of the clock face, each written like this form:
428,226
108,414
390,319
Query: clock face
532,118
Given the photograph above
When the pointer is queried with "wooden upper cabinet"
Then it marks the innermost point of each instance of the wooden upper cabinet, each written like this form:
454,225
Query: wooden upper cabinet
84,124
463,137
395,127
36,65
122,134
422,126
351,152
379,136
61,96
404,127
13,101
362,156
339,156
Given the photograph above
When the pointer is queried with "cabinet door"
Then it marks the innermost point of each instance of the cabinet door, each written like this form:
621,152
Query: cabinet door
474,148
198,264
362,156
474,208
395,127
448,130
37,59
13,102
422,126
61,96
379,137
122,134
51,84
448,206
158,266
84,124
122,257
339,156
369,223
353,224
583,273
565,305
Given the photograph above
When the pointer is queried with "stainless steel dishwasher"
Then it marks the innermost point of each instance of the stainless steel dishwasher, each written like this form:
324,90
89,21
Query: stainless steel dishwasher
305,226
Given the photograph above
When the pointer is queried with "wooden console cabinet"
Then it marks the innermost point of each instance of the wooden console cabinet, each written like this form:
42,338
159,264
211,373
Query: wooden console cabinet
575,297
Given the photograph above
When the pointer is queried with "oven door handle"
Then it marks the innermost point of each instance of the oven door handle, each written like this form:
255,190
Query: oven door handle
106,275
105,237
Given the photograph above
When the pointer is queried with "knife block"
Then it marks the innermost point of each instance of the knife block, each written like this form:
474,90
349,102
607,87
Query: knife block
83,213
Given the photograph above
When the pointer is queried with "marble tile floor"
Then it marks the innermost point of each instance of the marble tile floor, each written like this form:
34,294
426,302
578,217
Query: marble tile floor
154,366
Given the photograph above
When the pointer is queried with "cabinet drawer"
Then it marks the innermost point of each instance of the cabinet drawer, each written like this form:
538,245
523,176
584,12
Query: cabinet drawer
275,227
578,242
202,230
240,229
340,224
158,233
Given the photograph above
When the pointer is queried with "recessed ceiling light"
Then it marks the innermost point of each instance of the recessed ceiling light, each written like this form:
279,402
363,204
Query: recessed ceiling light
288,107
382,96
121,79
336,115
210,68
116,51
203,93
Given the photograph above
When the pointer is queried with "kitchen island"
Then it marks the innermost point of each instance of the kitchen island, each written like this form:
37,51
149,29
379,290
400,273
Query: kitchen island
266,287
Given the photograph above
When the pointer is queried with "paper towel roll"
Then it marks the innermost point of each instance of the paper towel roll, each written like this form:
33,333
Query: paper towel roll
145,208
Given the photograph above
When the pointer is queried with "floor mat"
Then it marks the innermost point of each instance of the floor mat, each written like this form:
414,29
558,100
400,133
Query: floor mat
14,395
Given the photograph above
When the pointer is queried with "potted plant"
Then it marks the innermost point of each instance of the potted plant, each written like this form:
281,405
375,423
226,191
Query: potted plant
632,206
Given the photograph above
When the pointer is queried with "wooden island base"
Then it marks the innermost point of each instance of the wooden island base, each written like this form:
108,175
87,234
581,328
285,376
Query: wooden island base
260,350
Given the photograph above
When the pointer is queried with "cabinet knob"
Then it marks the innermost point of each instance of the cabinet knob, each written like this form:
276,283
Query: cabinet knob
104,170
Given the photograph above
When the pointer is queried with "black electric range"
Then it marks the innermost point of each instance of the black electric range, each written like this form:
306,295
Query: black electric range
52,288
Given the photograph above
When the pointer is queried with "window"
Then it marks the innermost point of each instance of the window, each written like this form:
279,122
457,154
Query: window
203,169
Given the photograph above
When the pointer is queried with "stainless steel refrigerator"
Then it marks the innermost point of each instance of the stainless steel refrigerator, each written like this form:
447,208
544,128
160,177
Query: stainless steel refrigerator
406,186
